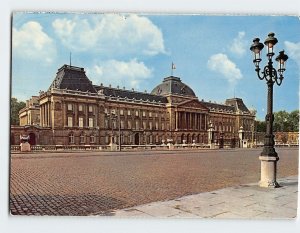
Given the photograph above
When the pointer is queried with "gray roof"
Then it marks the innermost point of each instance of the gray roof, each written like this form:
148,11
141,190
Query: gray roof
216,106
233,104
238,104
72,78
172,85
121,93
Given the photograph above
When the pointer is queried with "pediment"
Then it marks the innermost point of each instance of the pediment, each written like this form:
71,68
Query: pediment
192,104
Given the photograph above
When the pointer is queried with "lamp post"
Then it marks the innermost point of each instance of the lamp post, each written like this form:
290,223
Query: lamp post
268,156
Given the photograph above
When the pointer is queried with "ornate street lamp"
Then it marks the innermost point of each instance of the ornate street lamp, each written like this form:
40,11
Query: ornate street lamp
269,157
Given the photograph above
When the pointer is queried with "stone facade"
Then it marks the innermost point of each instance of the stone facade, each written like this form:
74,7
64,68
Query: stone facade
286,137
73,111
30,115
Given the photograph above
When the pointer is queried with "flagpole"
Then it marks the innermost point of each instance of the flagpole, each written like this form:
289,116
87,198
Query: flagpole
172,68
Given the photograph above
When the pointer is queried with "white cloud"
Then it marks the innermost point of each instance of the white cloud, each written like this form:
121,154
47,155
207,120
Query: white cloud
293,51
120,73
220,63
31,42
111,34
239,44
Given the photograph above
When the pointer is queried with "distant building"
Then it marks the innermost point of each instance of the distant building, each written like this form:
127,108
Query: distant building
286,138
30,115
74,111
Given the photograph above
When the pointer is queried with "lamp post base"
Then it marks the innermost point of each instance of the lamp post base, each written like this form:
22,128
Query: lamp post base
268,171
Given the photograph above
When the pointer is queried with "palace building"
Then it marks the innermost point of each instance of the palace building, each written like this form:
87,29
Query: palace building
73,111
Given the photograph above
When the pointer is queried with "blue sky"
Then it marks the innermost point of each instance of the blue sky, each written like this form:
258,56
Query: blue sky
211,53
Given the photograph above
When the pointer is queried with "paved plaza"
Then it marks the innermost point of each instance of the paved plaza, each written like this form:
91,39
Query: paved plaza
238,202
101,183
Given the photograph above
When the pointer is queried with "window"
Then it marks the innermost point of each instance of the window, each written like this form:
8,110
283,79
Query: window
121,112
106,139
80,108
70,121
82,138
144,113
122,124
71,138
150,114
128,113
151,139
70,107
91,122
92,138
144,124
156,114
137,113
162,126
106,123
150,124
168,126
80,122
90,108
156,125
105,110
137,125
129,124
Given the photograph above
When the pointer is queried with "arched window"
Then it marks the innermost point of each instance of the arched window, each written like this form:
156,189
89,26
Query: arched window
92,138
106,139
71,138
82,138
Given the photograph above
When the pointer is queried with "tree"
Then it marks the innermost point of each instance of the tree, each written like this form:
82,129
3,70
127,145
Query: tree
15,107
293,120
281,121
260,126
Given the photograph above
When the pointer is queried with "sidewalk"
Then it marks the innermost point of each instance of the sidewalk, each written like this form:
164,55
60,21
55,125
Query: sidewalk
243,201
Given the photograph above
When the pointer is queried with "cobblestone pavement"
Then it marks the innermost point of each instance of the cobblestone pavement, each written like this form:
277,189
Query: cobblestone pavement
97,183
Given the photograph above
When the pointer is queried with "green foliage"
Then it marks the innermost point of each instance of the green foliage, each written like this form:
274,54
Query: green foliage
283,122
260,126
15,107
294,121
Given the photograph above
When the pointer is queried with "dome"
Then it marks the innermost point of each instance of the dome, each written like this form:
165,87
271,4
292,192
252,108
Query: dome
173,85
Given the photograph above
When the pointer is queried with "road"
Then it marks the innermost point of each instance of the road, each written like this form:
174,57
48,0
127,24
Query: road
91,183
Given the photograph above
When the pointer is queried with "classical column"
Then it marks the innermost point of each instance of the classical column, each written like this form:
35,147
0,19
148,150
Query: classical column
48,114
187,120
180,120
64,114
45,115
193,122
176,120
196,121
46,111
42,115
